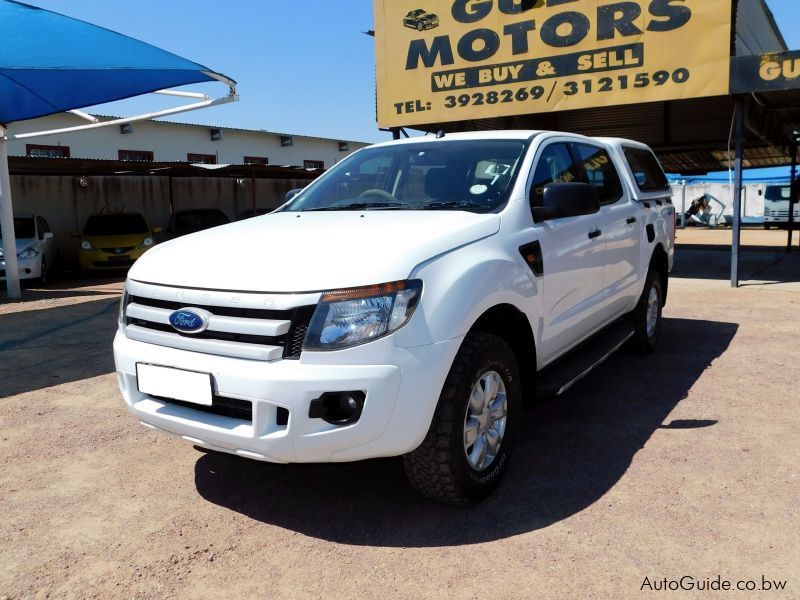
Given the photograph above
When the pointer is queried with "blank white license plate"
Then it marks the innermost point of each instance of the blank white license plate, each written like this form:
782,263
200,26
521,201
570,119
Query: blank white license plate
176,384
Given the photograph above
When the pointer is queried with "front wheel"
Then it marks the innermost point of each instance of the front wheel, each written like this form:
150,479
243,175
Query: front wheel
43,275
471,437
646,317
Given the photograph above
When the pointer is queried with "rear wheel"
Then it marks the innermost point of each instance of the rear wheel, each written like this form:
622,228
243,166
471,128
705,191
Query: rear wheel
646,317
767,226
471,437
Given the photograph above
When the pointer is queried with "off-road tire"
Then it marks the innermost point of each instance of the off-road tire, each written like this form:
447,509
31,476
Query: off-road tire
438,468
644,342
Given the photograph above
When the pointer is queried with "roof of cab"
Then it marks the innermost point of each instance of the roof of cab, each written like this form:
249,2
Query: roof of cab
510,134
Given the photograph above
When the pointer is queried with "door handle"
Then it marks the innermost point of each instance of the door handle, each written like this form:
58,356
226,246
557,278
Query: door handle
595,234
631,220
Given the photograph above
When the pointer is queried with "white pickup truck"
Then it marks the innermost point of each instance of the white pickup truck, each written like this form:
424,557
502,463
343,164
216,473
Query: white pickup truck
405,303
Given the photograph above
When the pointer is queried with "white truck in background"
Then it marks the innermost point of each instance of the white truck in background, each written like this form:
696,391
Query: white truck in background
776,206
404,304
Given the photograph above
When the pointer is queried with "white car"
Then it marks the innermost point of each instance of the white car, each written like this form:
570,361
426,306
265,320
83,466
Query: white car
36,248
404,303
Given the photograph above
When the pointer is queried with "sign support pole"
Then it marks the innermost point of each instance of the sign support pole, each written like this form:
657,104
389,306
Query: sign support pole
792,195
739,111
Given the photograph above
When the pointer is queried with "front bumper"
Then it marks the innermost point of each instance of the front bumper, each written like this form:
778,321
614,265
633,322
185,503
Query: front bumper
402,388
28,269
97,260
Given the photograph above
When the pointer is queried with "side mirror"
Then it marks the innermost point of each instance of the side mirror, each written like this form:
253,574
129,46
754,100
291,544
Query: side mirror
760,192
157,230
561,200
47,235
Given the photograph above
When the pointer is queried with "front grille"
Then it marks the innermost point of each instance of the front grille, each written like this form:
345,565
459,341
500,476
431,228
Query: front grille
118,250
297,333
258,334
224,407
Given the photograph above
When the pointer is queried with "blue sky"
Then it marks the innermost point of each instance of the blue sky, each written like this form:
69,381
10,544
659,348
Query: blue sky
302,67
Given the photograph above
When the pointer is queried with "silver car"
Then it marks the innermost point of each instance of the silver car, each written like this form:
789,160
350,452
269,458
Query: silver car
36,248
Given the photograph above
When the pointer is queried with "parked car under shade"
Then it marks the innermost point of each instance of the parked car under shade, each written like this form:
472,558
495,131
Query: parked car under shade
36,249
114,241
184,222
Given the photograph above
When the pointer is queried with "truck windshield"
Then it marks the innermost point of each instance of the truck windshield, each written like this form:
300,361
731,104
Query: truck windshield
475,176
777,193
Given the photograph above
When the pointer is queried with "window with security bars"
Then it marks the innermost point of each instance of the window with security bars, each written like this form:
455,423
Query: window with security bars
43,151
202,159
136,155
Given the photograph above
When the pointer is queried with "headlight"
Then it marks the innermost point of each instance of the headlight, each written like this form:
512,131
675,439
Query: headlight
28,253
147,242
350,317
87,245
767,212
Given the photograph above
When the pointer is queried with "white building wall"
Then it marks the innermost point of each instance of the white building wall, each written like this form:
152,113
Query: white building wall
173,141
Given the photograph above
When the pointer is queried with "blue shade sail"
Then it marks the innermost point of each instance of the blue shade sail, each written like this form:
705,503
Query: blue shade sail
50,63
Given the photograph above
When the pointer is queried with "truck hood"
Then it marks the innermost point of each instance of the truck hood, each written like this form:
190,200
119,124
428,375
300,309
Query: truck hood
311,251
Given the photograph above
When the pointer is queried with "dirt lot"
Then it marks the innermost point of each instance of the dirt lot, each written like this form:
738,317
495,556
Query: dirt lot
682,463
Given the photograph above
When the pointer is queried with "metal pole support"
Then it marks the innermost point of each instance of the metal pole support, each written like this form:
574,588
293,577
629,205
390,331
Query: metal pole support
7,223
739,116
792,195
683,206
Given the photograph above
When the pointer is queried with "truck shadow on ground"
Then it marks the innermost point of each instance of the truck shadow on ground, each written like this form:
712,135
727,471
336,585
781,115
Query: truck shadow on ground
714,262
49,346
570,452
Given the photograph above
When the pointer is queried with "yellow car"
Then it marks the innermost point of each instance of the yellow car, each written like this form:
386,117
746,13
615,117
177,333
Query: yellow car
114,241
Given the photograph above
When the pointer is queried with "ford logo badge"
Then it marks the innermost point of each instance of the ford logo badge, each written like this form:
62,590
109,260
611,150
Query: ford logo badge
190,320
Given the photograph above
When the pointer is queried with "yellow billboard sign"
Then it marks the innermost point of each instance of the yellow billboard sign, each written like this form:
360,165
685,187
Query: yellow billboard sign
453,60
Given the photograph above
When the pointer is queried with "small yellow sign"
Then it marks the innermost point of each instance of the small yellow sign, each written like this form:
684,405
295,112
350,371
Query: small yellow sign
453,60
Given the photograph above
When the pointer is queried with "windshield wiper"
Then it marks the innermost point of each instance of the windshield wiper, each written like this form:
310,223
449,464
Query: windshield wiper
360,206
461,205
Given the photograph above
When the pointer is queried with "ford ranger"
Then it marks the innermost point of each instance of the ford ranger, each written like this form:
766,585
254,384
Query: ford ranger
406,303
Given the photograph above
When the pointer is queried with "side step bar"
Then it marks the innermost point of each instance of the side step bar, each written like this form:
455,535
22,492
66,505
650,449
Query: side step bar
557,378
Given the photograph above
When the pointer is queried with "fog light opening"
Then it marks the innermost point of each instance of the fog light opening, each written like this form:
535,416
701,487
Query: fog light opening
338,408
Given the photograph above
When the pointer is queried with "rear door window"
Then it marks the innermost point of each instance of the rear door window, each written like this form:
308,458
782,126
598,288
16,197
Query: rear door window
646,170
600,172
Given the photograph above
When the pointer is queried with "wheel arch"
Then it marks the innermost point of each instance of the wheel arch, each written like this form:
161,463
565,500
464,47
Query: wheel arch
659,262
509,323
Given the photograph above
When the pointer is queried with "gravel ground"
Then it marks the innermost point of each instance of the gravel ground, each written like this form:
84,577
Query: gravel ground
684,463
